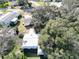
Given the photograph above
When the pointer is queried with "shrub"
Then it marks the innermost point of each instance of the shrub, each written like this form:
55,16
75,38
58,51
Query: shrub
16,56
20,16
21,35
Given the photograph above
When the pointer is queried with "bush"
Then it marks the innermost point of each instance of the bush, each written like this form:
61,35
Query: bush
21,35
5,4
1,5
12,24
30,5
10,47
20,16
1,26
16,56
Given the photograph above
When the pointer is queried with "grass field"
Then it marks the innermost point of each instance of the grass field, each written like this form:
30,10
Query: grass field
36,4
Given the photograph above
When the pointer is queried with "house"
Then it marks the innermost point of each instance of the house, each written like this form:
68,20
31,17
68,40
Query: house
30,40
30,43
6,18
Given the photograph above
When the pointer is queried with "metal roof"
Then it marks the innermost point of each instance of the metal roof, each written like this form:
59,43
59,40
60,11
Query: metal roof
30,40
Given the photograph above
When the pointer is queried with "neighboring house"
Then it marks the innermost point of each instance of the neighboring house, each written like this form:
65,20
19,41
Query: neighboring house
5,20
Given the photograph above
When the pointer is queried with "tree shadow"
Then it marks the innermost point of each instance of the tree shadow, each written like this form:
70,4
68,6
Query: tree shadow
30,52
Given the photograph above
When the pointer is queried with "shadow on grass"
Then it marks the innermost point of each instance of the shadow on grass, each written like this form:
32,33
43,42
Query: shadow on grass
30,52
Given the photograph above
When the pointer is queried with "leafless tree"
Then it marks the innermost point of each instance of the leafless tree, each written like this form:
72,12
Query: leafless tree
6,42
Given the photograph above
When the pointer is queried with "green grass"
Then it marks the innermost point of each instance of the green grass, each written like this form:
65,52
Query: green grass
36,4
33,58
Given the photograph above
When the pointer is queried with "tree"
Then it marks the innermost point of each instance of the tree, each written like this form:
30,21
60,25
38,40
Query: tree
7,42
42,15
24,3
13,55
60,38
69,3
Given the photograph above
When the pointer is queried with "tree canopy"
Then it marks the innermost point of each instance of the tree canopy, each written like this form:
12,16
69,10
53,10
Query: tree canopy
60,37
7,42
41,15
